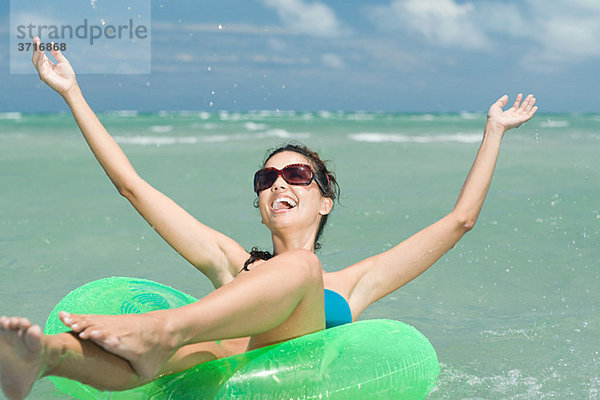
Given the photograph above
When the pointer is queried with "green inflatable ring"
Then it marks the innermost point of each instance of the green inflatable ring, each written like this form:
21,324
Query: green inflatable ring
374,359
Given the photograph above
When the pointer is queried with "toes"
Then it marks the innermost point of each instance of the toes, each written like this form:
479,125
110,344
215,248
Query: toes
18,323
33,338
86,333
65,317
77,323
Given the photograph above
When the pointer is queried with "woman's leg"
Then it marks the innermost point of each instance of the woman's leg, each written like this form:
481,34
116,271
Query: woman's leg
278,300
26,354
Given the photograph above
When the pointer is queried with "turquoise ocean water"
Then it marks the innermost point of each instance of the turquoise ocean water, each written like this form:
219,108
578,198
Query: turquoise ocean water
512,310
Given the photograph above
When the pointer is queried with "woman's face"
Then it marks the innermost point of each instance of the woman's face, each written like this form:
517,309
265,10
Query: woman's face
284,205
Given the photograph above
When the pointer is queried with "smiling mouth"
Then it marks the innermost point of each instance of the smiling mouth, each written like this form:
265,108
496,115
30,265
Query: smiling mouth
283,204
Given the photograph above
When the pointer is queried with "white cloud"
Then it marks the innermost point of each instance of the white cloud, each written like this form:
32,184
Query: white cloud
332,61
567,31
314,18
441,22
233,28
555,33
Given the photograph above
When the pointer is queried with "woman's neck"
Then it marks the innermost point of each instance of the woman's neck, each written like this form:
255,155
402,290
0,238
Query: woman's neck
283,243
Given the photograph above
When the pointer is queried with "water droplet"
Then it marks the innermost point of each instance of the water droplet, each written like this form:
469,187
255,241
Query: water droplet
209,68
102,21
220,27
210,104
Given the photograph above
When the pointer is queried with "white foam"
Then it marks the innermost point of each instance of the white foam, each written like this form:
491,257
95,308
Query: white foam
155,140
171,140
360,116
12,136
161,128
252,126
469,116
11,115
505,383
282,133
423,117
124,113
554,124
226,116
401,138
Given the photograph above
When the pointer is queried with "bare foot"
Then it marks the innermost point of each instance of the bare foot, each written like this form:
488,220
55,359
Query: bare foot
20,356
142,339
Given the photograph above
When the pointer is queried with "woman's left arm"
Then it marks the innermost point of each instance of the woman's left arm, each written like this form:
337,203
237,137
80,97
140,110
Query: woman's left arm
375,277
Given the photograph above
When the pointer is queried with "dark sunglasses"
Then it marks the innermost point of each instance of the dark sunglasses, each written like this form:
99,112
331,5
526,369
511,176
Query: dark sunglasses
293,174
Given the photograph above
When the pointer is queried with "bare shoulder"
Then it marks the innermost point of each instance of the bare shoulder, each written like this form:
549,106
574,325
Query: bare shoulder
301,255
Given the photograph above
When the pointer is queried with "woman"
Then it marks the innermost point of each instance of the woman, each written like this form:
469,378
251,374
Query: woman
259,300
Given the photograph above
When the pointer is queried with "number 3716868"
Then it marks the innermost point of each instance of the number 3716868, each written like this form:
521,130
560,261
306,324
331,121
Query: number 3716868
41,46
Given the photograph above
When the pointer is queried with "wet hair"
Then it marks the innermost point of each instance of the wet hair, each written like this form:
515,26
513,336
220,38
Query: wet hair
332,191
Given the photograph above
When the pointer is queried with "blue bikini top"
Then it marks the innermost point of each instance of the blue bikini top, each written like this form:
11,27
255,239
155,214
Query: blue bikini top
337,309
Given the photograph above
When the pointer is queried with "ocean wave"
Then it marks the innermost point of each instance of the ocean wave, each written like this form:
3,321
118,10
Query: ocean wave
12,136
422,117
11,115
554,124
360,116
253,126
401,138
227,116
469,115
511,382
171,140
124,113
161,128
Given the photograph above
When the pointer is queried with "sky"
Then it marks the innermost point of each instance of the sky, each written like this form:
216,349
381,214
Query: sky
349,55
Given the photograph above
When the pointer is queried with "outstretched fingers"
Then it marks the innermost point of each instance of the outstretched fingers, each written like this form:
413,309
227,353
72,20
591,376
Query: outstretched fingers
501,102
57,54
517,102
528,104
38,55
528,108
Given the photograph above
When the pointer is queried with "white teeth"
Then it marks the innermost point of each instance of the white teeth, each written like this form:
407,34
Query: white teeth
280,200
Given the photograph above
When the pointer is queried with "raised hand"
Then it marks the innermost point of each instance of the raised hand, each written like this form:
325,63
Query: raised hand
515,116
59,76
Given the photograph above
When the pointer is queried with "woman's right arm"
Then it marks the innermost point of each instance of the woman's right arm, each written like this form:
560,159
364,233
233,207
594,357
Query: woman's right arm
214,254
